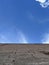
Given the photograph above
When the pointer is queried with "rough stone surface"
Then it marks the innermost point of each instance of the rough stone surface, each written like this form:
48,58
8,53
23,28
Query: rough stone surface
11,54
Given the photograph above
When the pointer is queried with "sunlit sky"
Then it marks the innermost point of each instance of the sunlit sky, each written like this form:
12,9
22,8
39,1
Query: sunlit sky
24,21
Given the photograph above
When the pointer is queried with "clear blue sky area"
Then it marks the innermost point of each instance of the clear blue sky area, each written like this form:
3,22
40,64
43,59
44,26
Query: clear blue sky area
23,21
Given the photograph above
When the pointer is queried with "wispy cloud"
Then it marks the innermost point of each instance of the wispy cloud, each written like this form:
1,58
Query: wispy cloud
43,3
45,39
29,15
19,37
3,39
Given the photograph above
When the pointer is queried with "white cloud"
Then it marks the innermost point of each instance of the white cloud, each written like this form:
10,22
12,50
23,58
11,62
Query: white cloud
19,37
43,3
3,39
45,39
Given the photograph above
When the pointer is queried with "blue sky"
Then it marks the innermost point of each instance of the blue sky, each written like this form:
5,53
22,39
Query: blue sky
24,21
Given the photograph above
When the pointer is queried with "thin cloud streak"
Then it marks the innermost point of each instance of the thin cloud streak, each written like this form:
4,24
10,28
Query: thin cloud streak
45,39
3,39
20,38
